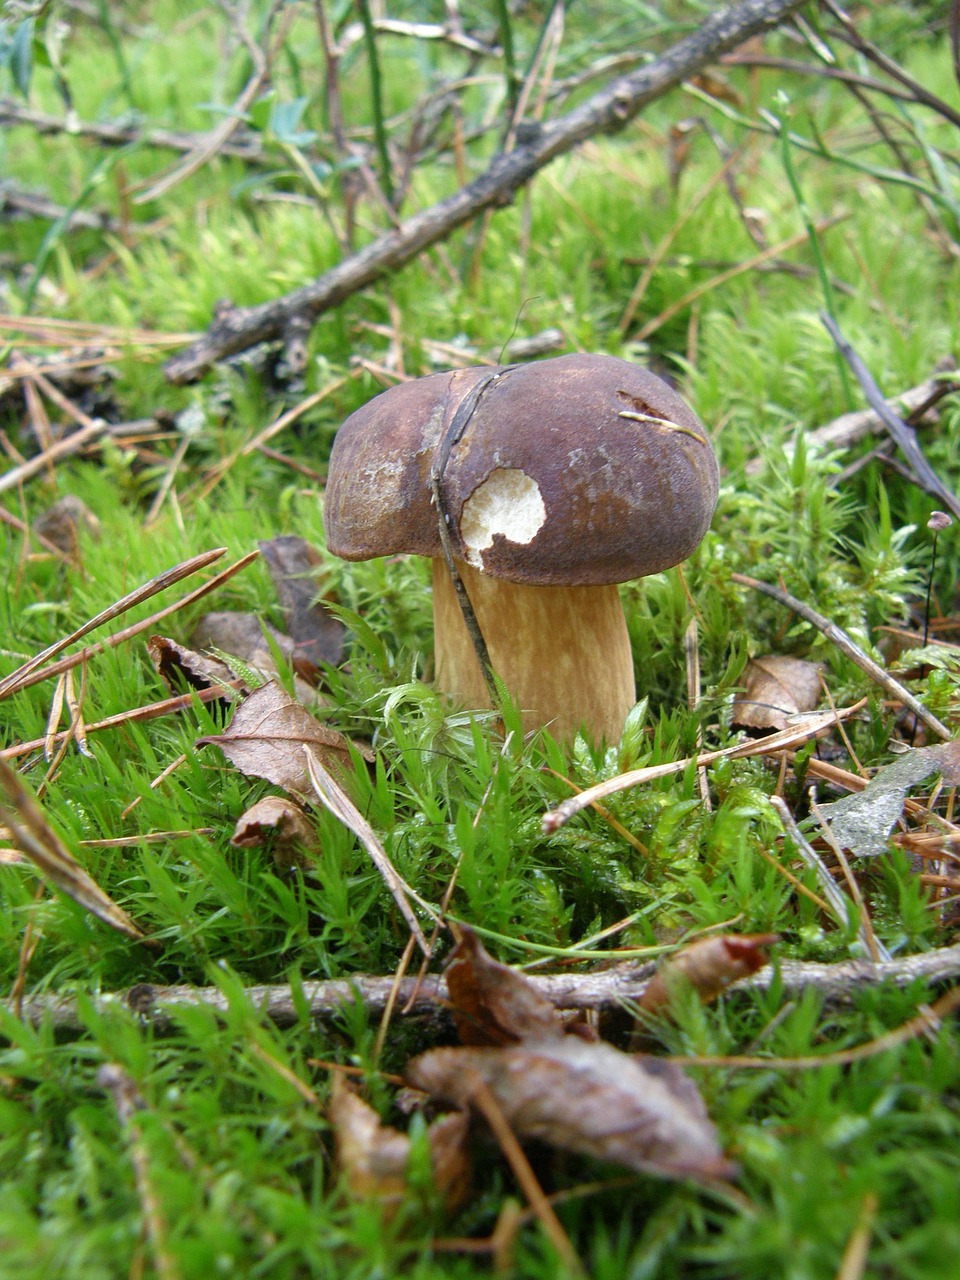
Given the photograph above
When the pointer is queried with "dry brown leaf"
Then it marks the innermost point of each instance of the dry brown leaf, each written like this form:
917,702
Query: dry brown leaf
294,841
177,666
776,688
862,822
709,965
267,736
717,86
493,1004
33,836
62,522
585,1097
373,1158
242,635
292,564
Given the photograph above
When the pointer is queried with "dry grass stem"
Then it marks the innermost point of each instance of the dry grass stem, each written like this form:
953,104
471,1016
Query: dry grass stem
811,726
13,683
334,798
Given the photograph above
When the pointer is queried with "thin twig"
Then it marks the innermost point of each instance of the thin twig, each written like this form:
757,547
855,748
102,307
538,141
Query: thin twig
483,1099
128,1103
849,648
904,437
739,269
120,637
607,111
846,430
451,437
608,988
247,147
222,132
136,715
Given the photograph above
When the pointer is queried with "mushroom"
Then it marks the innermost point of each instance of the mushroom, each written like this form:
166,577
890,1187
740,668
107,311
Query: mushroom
556,480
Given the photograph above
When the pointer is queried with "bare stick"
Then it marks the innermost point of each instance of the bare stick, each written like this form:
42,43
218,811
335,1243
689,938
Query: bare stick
846,646
222,132
851,427
607,111
160,583
34,836
19,202
128,1103
738,269
137,715
246,147
482,1098
605,989
458,425
904,437
839,902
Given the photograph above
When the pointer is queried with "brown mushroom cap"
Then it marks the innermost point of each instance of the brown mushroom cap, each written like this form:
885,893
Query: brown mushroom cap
584,469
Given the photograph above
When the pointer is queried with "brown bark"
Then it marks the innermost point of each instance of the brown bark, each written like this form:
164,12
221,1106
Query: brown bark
604,989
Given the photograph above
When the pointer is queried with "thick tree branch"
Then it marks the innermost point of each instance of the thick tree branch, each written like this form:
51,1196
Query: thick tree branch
607,111
606,989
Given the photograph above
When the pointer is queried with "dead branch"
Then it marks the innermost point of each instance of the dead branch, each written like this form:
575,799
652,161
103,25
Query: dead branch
606,989
242,146
606,111
903,436
846,430
17,202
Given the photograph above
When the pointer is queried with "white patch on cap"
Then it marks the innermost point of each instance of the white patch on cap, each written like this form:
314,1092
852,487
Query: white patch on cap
508,503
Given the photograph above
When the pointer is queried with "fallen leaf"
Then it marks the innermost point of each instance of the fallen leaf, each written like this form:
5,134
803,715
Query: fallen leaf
277,818
33,836
588,1098
709,966
266,739
493,1004
242,636
374,1159
862,822
62,522
176,665
316,633
776,688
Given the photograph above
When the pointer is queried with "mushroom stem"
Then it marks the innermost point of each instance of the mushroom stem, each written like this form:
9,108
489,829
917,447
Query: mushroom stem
562,652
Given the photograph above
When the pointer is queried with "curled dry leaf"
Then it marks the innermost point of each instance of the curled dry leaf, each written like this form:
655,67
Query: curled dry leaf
709,966
373,1158
493,1004
63,522
861,822
177,666
587,1098
277,817
776,688
293,567
266,739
